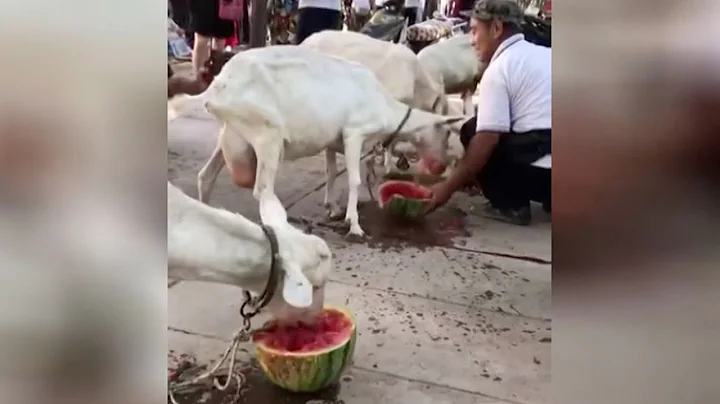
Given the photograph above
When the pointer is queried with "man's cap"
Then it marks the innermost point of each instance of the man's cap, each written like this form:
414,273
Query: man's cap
508,11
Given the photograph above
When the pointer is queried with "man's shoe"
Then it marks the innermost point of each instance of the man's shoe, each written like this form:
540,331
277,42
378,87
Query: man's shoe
518,216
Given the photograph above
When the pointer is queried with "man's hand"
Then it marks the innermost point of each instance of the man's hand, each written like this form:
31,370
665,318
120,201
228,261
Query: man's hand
441,193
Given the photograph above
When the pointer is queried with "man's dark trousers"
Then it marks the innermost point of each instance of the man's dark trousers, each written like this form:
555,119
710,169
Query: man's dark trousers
508,180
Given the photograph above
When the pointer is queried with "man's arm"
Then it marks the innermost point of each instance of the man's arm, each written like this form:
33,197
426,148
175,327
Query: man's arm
493,118
476,156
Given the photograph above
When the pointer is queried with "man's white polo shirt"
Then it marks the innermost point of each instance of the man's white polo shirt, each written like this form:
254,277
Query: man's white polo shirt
515,92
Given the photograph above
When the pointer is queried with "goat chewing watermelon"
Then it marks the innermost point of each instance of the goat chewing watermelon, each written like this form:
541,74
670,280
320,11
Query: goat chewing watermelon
403,198
307,358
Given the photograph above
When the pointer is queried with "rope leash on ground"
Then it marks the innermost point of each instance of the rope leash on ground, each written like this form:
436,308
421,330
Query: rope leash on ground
242,335
249,309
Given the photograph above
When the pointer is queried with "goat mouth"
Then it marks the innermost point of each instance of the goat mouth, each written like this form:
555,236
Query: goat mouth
432,166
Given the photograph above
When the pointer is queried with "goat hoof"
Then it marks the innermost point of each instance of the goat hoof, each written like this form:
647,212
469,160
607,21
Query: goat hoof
354,237
335,214
355,229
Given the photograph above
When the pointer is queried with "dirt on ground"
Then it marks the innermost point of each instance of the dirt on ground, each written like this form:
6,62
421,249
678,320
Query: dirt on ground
255,389
387,232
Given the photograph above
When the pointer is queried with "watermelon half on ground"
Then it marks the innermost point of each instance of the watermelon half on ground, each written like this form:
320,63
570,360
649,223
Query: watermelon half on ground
403,198
307,358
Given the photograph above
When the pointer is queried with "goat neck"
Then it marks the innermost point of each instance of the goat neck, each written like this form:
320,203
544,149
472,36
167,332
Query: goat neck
214,245
414,126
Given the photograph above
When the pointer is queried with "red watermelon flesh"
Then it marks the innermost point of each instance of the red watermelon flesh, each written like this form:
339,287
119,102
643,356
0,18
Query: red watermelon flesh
405,189
403,198
330,329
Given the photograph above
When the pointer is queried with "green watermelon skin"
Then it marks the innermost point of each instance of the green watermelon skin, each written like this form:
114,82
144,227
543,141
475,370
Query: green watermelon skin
307,372
405,207
403,198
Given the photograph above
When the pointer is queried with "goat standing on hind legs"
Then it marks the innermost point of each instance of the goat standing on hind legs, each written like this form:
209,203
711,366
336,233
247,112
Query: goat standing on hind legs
286,102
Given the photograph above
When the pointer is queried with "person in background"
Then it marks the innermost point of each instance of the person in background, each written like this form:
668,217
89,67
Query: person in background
180,13
361,12
317,15
430,7
457,6
282,21
507,144
422,10
245,24
412,9
210,30
547,10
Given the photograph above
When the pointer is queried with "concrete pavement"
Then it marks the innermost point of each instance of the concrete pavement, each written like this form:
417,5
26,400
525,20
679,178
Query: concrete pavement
458,312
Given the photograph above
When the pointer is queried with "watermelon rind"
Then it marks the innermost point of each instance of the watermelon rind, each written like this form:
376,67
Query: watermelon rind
406,207
400,206
308,372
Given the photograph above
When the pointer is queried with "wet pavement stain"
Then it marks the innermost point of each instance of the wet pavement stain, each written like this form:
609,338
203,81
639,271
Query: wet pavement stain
389,233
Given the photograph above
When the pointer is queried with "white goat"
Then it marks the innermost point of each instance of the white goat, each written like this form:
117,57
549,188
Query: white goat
288,102
214,245
454,64
395,66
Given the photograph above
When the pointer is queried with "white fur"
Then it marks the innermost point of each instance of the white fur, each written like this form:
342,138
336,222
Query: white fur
288,102
214,245
395,66
453,63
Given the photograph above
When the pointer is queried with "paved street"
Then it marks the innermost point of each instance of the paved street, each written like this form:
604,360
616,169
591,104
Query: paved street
457,312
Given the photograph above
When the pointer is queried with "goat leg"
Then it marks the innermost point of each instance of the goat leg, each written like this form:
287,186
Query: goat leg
269,155
353,155
208,174
370,177
331,202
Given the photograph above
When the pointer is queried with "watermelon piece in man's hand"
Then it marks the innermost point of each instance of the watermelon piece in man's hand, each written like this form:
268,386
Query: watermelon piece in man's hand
403,198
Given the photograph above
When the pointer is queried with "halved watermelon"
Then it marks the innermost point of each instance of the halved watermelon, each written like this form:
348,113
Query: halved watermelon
307,358
403,198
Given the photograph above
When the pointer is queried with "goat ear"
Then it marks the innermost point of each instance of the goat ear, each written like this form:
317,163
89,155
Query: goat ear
297,290
271,210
